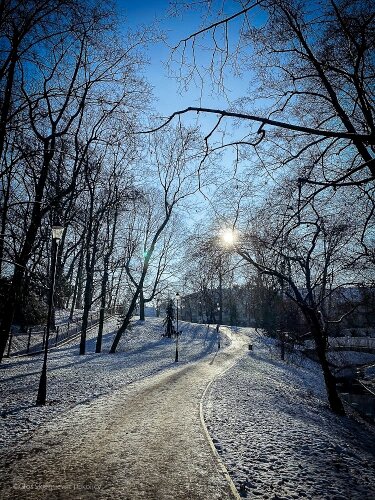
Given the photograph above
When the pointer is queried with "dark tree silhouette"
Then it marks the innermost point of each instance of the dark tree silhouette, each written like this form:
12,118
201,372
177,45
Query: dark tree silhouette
169,319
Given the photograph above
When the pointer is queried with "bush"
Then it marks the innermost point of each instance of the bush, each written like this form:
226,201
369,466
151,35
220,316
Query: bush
33,311
30,310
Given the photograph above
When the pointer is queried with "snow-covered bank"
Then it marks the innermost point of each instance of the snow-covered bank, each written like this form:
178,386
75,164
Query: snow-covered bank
75,379
271,425
269,419
142,441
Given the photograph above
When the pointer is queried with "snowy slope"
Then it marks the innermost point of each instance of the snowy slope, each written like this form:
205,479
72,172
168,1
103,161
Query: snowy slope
271,425
74,379
269,419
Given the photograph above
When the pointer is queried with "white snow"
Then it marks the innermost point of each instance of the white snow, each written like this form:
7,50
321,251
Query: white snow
271,424
269,419
73,379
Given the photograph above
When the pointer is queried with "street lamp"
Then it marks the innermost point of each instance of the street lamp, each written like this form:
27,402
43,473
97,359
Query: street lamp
177,332
157,307
218,326
57,232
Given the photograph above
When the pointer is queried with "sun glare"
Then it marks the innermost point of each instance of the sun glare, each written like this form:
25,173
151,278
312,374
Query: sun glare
228,236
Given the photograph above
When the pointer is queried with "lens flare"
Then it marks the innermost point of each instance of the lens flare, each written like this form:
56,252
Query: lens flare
228,236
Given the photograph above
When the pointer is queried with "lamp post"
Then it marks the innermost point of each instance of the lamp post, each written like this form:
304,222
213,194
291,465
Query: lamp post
200,311
57,232
157,307
177,332
218,326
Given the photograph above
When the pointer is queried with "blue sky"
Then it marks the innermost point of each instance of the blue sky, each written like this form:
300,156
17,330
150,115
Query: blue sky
166,88
149,12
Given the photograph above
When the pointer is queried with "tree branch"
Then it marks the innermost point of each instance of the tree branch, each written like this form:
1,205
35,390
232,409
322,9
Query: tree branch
365,138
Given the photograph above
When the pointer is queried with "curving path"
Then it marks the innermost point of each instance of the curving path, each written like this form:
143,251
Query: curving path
143,441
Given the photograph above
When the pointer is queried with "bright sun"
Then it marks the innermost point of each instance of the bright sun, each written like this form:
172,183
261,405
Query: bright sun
228,236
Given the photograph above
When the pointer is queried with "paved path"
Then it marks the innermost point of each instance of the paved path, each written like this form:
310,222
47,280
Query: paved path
143,441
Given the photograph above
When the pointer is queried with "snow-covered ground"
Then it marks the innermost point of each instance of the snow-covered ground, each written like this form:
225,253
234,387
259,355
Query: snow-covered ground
271,425
269,419
73,379
352,358
142,441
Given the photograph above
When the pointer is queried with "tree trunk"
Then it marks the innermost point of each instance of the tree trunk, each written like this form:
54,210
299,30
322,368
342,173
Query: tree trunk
126,321
321,350
115,299
7,95
15,290
99,338
4,217
79,301
141,305
78,282
90,264
9,309
86,309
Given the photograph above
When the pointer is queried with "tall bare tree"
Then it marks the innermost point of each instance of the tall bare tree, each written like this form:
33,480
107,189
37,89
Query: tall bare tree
68,85
173,161
309,68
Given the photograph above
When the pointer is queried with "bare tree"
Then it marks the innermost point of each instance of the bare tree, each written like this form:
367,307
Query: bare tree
309,66
209,271
304,253
173,158
68,87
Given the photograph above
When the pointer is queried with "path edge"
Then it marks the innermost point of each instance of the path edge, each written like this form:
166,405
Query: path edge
214,451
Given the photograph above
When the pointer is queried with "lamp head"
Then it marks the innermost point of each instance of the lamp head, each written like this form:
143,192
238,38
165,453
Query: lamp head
57,232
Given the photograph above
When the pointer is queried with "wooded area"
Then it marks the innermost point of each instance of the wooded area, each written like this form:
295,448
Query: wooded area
289,167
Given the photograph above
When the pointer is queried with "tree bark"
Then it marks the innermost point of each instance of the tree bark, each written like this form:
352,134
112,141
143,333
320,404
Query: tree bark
141,305
90,264
321,350
6,104
126,321
99,338
4,216
77,293
15,290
